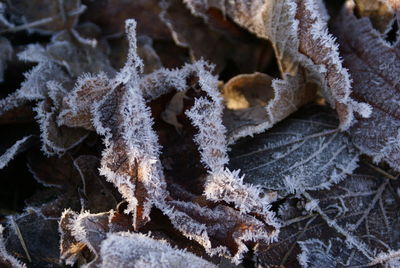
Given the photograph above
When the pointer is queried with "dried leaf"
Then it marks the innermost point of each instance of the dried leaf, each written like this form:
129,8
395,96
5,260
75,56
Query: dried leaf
372,63
137,250
353,224
379,12
255,102
40,235
302,46
228,46
7,260
98,194
110,15
305,152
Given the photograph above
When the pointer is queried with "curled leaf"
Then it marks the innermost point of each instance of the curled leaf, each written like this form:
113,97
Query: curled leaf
302,46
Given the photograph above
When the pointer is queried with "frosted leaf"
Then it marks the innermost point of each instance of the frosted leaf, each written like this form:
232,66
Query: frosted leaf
117,109
374,64
138,250
18,147
316,254
7,260
305,152
228,45
46,16
301,42
6,51
56,139
77,107
255,102
354,223
40,236
93,231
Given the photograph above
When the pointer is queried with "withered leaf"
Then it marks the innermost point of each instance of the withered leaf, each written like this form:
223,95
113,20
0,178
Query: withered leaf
255,102
138,250
99,232
99,194
302,45
7,260
40,237
305,152
228,45
353,224
379,12
374,64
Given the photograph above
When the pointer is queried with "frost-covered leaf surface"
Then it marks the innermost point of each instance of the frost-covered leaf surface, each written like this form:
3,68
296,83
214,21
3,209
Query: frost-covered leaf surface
373,63
305,152
353,224
116,251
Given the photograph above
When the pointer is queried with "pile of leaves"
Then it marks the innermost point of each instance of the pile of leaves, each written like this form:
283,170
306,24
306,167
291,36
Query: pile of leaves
199,133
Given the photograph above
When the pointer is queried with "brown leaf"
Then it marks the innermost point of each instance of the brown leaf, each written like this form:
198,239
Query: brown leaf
374,64
228,46
255,102
110,15
99,195
302,44
379,12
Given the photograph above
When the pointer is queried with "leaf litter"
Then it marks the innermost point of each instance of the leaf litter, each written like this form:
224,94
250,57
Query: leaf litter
200,133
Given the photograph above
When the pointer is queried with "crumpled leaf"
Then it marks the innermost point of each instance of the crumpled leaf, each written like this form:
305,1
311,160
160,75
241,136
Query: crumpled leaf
255,102
131,159
302,46
7,260
228,46
353,224
372,63
305,152
18,147
58,65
